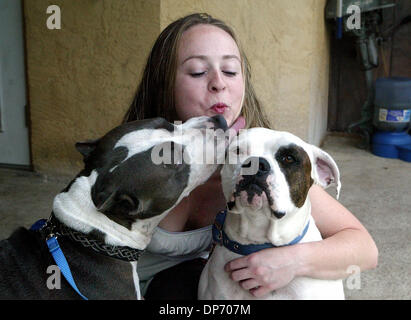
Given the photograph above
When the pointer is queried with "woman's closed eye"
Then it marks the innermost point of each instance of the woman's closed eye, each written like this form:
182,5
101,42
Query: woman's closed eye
230,73
226,72
197,74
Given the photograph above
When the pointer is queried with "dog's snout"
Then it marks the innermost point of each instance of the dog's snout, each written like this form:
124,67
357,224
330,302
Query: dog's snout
263,165
220,122
247,163
258,165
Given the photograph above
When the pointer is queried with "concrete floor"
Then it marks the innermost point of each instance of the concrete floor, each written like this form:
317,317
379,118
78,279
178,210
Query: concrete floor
376,190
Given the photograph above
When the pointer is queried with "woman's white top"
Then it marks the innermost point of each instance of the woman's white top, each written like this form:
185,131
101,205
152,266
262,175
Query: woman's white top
168,249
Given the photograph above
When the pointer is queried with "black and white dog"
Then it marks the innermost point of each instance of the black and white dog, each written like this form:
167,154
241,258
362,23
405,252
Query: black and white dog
105,217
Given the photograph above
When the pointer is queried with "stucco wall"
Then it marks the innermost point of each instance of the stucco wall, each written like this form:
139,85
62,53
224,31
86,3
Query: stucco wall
319,76
81,78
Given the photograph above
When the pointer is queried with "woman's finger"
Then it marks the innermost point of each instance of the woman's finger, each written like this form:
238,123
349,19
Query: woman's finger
241,274
249,284
260,291
236,264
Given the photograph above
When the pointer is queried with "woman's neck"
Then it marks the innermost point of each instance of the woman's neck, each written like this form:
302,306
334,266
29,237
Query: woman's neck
198,209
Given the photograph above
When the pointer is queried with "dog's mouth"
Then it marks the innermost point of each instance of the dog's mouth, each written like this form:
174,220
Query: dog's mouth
255,195
252,194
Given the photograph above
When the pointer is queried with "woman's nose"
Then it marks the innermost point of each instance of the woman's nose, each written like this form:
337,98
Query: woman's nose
216,83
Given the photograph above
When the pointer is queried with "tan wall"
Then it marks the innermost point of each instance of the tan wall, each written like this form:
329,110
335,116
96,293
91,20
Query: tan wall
319,76
82,77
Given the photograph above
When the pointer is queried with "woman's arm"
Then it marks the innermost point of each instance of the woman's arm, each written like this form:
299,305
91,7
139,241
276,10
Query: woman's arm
346,242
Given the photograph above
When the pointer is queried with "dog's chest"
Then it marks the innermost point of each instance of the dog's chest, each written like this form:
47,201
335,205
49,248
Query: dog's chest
219,285
215,283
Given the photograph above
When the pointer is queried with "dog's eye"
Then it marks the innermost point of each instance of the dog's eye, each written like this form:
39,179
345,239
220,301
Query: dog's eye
289,159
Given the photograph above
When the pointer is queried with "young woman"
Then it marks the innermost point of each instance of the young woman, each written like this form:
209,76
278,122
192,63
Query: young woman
195,68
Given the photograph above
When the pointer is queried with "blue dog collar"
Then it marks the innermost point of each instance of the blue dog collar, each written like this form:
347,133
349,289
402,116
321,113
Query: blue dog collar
57,254
61,262
221,238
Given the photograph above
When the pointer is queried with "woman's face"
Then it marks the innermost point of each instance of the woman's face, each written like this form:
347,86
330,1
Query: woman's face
209,78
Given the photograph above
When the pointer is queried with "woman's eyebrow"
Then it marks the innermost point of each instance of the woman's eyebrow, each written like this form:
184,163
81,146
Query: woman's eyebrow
231,56
203,57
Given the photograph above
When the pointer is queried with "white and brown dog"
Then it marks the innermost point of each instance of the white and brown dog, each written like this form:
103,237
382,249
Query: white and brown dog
268,205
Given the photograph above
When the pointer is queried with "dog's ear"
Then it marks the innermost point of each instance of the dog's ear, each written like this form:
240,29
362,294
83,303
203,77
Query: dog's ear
116,202
118,206
104,201
325,170
86,147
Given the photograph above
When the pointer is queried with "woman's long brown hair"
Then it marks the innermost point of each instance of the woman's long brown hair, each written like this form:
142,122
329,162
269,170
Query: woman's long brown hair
155,94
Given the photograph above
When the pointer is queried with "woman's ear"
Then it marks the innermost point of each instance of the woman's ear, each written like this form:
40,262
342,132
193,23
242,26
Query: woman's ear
325,170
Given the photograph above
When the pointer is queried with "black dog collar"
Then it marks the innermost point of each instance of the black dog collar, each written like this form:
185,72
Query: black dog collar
53,227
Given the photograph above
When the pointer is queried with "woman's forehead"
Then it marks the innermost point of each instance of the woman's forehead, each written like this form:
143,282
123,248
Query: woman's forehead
204,40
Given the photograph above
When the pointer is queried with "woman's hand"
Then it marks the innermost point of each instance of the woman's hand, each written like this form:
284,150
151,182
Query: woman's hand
266,270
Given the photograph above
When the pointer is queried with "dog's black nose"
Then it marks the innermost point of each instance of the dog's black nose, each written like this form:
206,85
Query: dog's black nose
263,165
220,122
